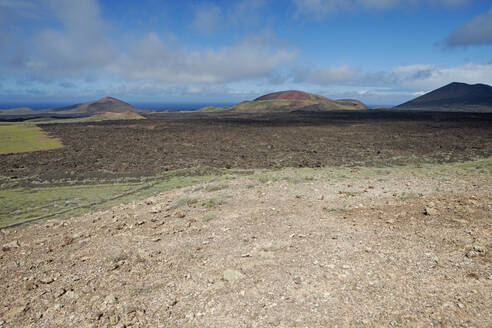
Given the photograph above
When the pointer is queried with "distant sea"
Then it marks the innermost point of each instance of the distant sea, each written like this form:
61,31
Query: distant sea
151,106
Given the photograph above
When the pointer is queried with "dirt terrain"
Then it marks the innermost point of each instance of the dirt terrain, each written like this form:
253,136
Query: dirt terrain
365,219
330,247
183,140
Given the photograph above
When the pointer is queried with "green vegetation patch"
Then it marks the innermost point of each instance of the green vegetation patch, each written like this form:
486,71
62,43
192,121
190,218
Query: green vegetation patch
19,204
21,137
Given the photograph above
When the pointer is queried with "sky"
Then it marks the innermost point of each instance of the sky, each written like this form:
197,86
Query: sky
383,52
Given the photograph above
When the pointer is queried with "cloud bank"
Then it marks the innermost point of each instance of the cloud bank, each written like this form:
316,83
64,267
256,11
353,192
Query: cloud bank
424,77
477,31
324,7
80,48
152,59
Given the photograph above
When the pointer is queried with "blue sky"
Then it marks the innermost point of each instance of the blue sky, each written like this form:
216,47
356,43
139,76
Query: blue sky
157,51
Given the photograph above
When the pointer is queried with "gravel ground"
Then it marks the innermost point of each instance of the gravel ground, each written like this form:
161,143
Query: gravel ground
396,247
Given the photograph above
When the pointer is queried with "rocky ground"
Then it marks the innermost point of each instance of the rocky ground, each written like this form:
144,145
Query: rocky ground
171,141
404,247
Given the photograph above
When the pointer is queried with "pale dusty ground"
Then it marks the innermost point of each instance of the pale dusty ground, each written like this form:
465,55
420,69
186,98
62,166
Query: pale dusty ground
321,248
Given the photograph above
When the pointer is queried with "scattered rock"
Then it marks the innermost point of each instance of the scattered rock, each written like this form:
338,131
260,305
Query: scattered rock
475,251
30,285
232,275
110,299
60,292
11,245
130,309
430,211
67,241
95,316
180,215
155,209
46,280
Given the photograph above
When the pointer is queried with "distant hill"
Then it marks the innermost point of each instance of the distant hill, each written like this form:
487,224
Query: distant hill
291,100
104,105
14,111
459,97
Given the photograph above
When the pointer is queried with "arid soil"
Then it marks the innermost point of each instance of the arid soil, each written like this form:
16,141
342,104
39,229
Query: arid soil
175,141
398,247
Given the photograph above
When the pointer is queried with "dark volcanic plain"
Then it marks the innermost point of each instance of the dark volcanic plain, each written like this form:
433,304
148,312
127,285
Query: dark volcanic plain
170,141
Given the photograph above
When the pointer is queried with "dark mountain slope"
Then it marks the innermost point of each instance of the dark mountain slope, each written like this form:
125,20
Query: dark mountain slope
454,97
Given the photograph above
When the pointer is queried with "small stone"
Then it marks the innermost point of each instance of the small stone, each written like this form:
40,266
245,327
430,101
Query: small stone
155,210
70,294
30,285
172,302
232,275
77,235
95,316
475,251
46,280
60,292
130,309
110,299
430,211
114,319
67,241
11,245
180,215
140,222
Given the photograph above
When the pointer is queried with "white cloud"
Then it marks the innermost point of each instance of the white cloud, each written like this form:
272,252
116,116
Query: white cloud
152,59
435,77
411,77
475,32
324,7
78,46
